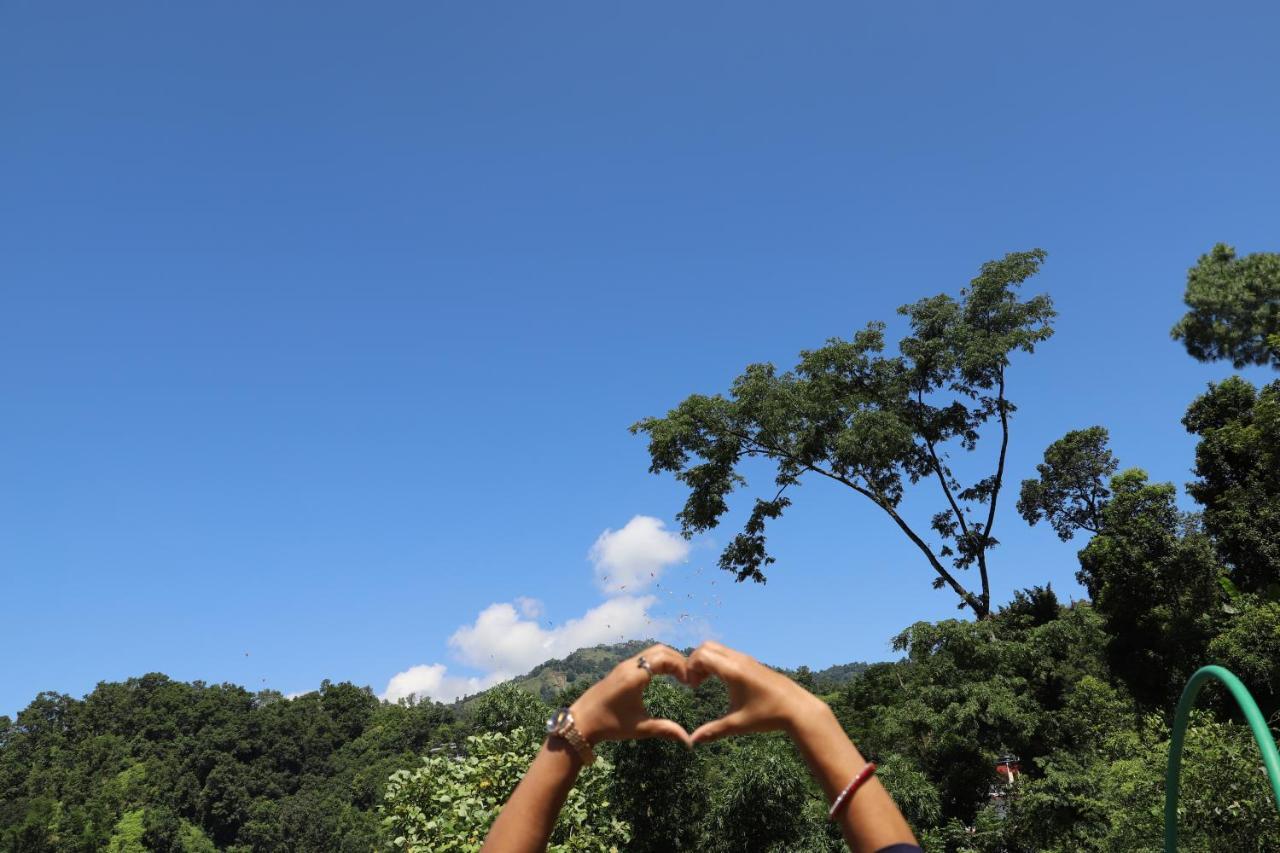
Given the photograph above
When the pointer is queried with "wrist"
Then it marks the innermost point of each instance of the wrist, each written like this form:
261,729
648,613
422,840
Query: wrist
569,758
810,717
586,720
564,726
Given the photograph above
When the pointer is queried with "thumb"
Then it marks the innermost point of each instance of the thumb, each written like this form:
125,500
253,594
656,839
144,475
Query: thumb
663,728
731,723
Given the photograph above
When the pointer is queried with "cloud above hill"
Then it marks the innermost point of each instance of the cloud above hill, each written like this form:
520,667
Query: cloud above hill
432,681
501,641
508,639
635,556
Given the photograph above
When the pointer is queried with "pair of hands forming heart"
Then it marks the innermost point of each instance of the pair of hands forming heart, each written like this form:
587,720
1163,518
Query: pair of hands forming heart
760,699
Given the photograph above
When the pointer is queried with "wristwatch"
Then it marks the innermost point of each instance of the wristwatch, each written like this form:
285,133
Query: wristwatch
561,725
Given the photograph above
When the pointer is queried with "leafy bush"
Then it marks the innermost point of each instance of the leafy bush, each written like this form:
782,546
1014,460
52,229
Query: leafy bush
450,801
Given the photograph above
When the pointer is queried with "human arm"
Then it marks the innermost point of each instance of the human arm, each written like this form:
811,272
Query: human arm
762,700
611,709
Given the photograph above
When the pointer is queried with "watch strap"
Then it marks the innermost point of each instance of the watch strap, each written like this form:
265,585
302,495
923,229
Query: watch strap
569,732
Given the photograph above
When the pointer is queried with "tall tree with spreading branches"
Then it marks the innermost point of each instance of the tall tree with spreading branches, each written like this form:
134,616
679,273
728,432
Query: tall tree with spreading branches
871,422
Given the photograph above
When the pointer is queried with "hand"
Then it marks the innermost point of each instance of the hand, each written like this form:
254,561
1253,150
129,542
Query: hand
760,699
613,708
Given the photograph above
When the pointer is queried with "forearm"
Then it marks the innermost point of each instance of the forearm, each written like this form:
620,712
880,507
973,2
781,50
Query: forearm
526,821
870,821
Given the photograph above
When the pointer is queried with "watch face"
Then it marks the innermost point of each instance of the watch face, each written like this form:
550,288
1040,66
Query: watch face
558,720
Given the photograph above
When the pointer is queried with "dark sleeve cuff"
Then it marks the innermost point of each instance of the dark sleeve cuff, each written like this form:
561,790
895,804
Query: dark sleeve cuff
900,848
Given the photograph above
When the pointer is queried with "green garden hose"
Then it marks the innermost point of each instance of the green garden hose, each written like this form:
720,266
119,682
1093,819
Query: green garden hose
1262,734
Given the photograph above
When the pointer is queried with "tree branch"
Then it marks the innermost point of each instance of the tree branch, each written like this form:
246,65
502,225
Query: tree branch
937,466
981,607
1003,406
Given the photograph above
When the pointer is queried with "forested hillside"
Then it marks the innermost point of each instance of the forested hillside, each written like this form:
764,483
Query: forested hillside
157,764
548,679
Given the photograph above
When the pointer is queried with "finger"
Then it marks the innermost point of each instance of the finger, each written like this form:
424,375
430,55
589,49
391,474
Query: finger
698,669
732,723
664,660
727,653
669,729
710,660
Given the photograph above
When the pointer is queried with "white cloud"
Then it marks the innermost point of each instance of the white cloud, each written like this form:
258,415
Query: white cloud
503,645
506,639
636,555
530,608
433,681
502,642
623,617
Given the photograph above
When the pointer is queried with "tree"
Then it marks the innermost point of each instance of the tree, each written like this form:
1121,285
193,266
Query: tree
1224,802
350,707
1249,646
1235,308
1238,466
658,787
1025,682
759,803
506,707
1071,489
870,422
1153,576
193,762
804,677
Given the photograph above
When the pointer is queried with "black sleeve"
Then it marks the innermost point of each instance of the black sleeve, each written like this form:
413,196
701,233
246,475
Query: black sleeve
900,848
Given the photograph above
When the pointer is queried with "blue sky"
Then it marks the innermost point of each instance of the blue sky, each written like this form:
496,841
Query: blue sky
323,323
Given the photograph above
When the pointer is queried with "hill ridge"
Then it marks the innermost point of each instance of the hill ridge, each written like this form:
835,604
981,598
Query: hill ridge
549,678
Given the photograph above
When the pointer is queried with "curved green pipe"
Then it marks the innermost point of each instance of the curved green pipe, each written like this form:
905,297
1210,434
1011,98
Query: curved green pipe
1262,734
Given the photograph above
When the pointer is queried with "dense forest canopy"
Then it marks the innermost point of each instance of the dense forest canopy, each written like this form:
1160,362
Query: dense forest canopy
165,765
1037,726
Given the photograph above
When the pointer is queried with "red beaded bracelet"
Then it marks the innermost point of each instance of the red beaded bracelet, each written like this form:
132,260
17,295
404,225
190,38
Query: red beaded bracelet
847,794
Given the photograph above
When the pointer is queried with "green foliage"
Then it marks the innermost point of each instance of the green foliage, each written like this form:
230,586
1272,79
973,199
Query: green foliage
449,802
1092,766
969,693
911,789
834,677
1238,466
1071,489
871,422
659,787
1035,681
1249,646
128,835
506,708
205,767
1224,804
756,803
161,830
1152,575
1234,308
